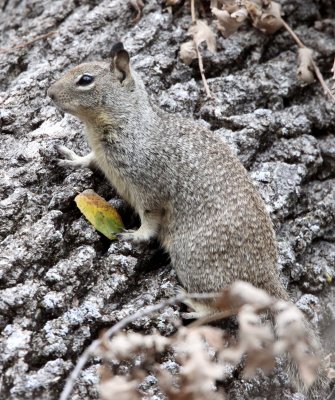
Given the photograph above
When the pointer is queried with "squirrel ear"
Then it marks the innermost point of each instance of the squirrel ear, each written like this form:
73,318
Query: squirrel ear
116,47
120,60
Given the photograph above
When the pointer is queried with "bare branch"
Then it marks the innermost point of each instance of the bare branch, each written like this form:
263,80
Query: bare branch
200,63
213,317
292,33
28,42
117,327
317,71
193,12
318,74
202,72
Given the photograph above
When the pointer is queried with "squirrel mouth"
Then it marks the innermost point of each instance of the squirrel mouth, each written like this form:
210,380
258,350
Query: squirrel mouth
62,107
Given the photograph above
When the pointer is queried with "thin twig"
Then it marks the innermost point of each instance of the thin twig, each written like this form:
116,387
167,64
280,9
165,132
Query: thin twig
200,63
202,72
317,71
117,327
292,33
227,313
333,77
213,317
28,42
331,395
194,19
318,74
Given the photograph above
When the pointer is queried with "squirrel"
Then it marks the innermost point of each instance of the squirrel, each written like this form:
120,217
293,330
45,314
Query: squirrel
190,190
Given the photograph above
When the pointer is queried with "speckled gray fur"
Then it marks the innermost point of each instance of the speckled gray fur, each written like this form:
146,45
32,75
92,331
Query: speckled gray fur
258,104
207,214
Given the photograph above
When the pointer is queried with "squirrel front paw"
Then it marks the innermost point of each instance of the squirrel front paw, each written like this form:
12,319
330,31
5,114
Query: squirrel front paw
135,236
72,159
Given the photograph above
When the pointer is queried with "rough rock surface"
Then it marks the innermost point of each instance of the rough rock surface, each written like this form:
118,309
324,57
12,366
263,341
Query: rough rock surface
61,282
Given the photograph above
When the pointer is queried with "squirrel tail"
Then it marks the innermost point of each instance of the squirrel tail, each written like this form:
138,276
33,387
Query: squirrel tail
321,384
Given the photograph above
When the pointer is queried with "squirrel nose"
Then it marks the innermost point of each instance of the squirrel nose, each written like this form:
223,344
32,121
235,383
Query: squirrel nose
51,93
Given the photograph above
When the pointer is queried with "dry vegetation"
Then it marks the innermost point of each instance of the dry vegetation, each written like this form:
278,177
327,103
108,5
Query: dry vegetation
257,345
230,15
259,340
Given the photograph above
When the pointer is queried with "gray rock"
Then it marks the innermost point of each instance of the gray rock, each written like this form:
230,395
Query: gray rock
61,282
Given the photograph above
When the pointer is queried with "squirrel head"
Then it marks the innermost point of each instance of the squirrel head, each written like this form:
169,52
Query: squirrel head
94,88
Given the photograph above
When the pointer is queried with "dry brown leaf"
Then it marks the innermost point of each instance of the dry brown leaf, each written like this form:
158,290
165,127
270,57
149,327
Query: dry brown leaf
137,5
172,2
267,20
200,380
229,23
329,363
192,352
262,359
213,336
240,293
307,367
119,388
331,373
188,52
124,345
253,334
305,71
289,322
293,338
228,5
201,32
255,340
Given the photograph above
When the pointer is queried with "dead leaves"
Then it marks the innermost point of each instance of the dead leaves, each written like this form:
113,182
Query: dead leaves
292,334
265,15
266,18
305,65
126,346
200,33
188,52
197,382
241,293
202,352
229,22
120,388
137,5
230,15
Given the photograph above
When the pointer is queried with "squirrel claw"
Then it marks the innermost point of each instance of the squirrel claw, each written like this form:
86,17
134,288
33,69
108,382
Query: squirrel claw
190,315
64,163
67,153
131,235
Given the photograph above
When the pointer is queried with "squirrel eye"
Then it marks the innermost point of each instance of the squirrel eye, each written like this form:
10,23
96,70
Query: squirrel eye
85,80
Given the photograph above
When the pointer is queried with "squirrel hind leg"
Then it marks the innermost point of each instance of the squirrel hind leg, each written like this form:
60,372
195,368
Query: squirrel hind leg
199,308
150,222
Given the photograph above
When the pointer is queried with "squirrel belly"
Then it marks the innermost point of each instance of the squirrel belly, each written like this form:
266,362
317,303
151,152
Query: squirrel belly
189,189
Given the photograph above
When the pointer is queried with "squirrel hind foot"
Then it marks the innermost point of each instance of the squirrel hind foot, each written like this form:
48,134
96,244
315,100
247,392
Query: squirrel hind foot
198,308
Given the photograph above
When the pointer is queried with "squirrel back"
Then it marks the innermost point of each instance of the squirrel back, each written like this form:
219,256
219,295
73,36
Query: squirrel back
189,189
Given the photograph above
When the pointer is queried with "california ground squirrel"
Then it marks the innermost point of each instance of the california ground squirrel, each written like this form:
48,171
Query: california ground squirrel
189,189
